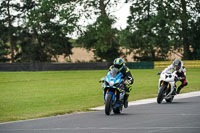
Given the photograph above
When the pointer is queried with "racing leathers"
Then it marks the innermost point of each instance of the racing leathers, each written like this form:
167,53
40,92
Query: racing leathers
128,80
181,73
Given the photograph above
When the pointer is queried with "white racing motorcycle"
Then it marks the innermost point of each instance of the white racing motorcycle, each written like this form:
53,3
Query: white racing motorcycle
166,86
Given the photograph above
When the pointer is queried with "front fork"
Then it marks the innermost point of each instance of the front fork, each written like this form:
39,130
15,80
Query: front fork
170,85
114,98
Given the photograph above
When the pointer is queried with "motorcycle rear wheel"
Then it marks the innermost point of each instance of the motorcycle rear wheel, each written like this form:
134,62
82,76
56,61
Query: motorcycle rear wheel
170,99
108,104
117,110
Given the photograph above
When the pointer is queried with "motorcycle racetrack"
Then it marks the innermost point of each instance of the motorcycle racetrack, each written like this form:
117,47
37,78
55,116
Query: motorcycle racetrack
145,116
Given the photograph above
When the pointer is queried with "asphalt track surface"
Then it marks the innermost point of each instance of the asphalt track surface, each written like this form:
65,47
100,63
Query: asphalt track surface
181,116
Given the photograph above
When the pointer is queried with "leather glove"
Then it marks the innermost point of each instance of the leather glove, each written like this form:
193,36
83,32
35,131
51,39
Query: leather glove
178,78
182,78
158,73
127,82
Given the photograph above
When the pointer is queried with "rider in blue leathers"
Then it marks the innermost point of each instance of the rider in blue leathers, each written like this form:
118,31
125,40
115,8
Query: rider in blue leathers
128,79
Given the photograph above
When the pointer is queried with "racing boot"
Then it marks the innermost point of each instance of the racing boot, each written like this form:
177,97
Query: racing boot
126,100
174,92
179,89
184,83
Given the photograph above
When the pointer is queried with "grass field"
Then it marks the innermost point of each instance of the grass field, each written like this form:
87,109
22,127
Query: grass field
26,95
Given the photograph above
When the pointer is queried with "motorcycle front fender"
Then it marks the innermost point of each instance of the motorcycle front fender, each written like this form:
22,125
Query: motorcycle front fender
114,98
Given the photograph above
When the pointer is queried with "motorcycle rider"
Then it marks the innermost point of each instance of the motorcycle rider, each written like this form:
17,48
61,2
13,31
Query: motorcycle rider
128,79
177,66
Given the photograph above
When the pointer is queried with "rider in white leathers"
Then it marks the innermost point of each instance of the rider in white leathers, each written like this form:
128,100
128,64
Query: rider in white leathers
177,66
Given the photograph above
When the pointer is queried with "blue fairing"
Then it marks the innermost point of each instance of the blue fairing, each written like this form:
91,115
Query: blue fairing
114,76
112,82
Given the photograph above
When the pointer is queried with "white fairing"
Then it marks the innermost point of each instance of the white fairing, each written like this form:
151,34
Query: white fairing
168,77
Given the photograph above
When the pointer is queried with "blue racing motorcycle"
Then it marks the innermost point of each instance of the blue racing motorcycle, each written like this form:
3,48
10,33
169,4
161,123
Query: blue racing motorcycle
114,91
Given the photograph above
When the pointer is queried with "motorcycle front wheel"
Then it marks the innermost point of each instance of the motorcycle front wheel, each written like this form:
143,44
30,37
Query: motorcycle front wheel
161,94
108,104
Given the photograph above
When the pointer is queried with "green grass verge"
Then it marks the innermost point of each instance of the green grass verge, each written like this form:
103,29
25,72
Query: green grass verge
26,95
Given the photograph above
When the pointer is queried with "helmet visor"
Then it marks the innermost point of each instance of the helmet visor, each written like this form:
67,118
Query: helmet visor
177,67
117,66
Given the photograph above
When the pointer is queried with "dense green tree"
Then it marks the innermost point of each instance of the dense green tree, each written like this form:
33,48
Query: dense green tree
9,13
4,48
185,12
148,29
49,22
37,30
154,26
194,39
100,36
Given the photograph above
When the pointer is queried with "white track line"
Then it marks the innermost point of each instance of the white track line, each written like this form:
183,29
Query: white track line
95,128
153,100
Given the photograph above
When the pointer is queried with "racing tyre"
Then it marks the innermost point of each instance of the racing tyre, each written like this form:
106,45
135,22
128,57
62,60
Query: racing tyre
108,106
161,94
170,99
117,110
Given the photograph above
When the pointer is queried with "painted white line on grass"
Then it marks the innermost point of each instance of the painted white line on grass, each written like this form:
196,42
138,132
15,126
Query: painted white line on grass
153,100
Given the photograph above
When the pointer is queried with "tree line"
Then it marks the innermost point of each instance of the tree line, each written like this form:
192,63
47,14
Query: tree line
40,30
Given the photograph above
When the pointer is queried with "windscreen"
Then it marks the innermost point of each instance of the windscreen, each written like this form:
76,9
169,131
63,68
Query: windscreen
114,72
170,71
